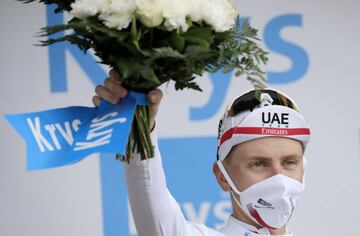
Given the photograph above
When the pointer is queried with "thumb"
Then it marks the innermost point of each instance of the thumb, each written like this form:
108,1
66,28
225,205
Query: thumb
154,98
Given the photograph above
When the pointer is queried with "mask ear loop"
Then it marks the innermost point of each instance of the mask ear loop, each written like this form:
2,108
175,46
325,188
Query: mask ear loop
305,163
227,177
234,188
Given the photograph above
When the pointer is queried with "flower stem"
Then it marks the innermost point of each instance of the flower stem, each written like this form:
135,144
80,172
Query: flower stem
139,139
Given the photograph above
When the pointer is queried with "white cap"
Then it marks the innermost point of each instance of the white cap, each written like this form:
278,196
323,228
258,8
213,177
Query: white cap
264,120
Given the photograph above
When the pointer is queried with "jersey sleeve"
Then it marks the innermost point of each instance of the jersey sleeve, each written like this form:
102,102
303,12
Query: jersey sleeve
155,211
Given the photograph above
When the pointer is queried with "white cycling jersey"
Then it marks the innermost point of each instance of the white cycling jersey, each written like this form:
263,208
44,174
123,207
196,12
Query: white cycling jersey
156,212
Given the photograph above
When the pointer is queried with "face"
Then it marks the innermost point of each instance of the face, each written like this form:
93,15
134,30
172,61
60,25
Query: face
253,161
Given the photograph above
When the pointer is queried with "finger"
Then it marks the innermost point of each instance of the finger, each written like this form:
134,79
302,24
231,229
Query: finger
114,76
115,88
154,98
107,95
96,101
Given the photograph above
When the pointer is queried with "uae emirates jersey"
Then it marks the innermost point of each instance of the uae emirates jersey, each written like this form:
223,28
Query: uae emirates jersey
156,212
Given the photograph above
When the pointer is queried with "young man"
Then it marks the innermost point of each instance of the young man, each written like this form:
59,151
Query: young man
260,163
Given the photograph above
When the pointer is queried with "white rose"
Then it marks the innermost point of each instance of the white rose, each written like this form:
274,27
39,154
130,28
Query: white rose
196,10
118,21
118,14
85,8
220,14
123,6
150,12
175,13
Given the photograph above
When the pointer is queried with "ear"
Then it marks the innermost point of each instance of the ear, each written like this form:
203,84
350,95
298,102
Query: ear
221,178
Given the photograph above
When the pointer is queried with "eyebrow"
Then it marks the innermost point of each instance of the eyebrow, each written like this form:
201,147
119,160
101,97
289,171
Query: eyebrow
264,158
256,158
292,156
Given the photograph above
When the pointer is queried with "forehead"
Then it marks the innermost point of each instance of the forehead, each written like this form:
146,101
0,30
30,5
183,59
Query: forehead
268,147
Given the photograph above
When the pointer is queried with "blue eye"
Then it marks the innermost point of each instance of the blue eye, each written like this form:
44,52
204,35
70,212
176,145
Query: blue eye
290,163
258,164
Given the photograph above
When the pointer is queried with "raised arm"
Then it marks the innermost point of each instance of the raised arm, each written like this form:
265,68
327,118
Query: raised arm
155,211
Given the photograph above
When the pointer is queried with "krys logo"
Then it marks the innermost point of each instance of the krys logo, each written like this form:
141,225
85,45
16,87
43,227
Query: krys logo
114,197
98,135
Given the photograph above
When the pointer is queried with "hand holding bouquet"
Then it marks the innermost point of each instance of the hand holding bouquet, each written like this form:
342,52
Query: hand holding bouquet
150,42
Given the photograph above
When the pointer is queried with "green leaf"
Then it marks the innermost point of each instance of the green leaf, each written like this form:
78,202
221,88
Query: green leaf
199,36
165,52
126,66
195,52
180,85
177,41
239,72
92,24
46,31
83,44
195,86
148,73
62,5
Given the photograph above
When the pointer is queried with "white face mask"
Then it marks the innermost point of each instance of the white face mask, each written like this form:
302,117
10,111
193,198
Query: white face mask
270,202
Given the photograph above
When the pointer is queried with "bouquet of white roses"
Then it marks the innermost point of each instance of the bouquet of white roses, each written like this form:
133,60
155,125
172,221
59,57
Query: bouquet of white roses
150,42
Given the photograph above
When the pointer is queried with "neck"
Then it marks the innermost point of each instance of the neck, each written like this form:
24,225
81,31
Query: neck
281,231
